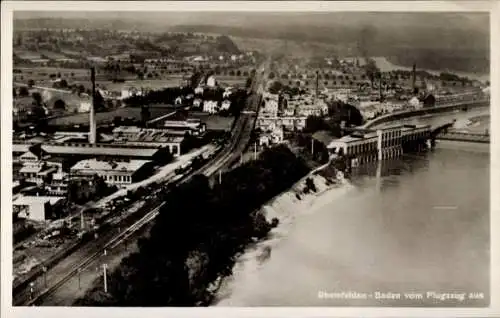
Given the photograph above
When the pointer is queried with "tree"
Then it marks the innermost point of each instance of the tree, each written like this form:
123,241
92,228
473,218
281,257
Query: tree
271,75
314,123
37,98
59,104
31,83
23,91
81,89
275,87
14,92
238,73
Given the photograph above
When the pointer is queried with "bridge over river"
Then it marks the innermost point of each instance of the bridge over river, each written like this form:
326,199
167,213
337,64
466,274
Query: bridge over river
441,122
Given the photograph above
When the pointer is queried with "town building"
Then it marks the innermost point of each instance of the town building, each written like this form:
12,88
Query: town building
58,184
292,123
192,126
210,106
197,102
114,173
198,90
211,82
226,104
36,208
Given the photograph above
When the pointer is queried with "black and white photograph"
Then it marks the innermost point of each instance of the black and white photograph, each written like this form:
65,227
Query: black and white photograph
247,158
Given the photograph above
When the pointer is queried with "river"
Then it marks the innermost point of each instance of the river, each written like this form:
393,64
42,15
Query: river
416,224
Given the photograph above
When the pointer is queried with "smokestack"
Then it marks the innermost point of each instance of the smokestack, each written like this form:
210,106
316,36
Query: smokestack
380,87
317,84
414,76
92,123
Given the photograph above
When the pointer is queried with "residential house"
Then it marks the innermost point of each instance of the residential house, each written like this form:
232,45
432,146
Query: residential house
197,102
226,94
198,90
58,185
211,82
226,104
210,106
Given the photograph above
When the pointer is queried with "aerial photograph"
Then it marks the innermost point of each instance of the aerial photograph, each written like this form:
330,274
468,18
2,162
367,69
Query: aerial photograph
250,159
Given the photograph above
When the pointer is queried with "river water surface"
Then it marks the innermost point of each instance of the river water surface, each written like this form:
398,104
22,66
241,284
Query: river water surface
416,224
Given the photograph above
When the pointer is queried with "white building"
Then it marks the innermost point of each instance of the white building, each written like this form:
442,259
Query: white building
198,90
211,81
197,102
226,104
271,106
36,208
114,173
415,102
58,185
290,123
210,106
226,93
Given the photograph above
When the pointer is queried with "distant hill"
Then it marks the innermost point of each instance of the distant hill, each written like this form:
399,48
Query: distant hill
452,40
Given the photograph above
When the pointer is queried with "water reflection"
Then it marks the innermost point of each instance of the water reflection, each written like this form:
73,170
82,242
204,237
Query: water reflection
419,223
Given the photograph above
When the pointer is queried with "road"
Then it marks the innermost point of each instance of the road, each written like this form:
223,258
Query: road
49,89
56,277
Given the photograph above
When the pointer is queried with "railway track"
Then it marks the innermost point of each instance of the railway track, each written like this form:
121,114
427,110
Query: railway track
87,261
238,141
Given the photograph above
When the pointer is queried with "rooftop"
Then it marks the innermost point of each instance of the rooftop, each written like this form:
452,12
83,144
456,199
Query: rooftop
28,200
106,150
94,164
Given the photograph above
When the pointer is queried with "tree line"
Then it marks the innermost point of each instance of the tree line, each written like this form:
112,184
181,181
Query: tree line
197,236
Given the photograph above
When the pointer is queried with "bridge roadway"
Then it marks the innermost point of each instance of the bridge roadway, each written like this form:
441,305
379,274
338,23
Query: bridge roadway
453,110
436,119
57,276
463,136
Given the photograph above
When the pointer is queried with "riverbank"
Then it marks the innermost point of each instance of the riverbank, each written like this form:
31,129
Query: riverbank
415,223
184,268
286,207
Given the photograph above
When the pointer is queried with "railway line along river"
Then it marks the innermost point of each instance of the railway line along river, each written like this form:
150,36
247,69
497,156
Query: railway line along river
408,232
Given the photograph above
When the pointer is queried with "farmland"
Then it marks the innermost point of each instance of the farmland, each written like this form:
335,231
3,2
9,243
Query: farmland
107,117
213,122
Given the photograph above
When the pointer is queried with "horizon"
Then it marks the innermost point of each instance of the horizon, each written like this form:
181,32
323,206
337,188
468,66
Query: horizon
477,21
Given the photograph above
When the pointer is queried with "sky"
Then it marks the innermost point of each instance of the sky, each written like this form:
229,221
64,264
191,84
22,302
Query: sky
460,20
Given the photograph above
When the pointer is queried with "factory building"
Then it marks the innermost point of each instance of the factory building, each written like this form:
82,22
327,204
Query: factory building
114,173
371,145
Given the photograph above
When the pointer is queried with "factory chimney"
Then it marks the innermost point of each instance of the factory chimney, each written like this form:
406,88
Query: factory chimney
92,123
380,87
317,84
414,77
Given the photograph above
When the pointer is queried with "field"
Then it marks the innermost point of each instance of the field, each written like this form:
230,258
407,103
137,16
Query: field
150,84
213,122
106,117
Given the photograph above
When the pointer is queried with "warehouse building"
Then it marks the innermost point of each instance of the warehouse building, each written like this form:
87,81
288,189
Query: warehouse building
114,173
